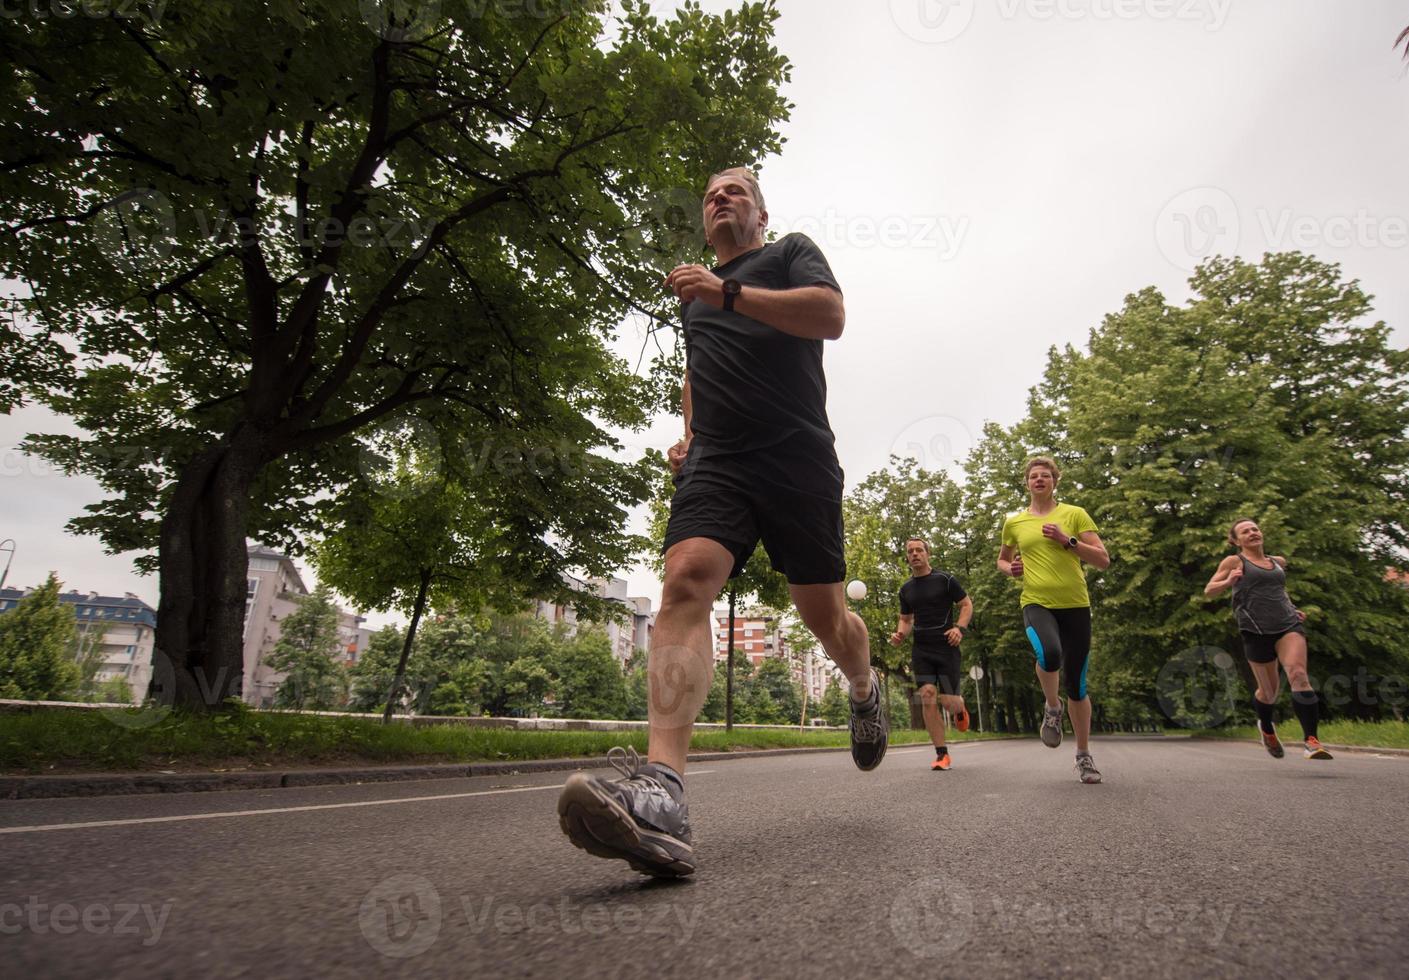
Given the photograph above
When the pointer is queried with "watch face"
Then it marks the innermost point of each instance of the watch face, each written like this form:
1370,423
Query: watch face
732,287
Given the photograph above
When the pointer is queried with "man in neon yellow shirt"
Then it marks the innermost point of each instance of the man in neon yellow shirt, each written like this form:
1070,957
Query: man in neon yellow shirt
1045,545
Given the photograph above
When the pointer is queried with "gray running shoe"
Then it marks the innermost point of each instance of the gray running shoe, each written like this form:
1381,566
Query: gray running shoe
1052,727
1086,768
870,730
636,818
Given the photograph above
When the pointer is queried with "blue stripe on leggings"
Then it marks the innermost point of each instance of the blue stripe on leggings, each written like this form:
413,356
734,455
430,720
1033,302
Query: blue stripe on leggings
1036,642
1083,678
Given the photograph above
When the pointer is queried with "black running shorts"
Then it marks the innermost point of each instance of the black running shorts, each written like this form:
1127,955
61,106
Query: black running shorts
1261,648
786,497
937,665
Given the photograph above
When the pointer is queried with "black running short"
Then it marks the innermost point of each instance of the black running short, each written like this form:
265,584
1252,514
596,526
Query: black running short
1061,640
787,497
1261,648
937,665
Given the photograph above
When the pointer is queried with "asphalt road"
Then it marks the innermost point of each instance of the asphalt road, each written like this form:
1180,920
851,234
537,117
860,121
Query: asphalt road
1193,858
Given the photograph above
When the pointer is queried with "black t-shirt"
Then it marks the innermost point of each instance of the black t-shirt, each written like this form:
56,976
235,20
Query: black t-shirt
931,601
752,386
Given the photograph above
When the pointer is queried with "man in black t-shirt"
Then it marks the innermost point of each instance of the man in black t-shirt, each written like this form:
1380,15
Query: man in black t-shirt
757,462
934,608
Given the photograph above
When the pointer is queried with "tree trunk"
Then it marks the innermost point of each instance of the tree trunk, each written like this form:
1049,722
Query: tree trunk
204,564
406,647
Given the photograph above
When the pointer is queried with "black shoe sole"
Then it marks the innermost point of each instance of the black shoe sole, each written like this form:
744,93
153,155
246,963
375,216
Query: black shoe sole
600,826
876,762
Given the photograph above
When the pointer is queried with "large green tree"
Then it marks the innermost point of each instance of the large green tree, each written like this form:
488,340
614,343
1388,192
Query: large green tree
37,639
246,231
309,652
1271,394
588,679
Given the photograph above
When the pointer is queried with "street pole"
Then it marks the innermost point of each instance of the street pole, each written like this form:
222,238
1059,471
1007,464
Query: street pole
6,573
976,673
729,671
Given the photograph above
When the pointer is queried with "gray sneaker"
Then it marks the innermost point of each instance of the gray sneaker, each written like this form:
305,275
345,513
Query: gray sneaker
1052,727
1086,769
870,730
637,819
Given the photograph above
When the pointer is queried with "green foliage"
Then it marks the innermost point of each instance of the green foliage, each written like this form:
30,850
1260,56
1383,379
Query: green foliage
36,641
247,232
589,682
836,705
309,652
1269,395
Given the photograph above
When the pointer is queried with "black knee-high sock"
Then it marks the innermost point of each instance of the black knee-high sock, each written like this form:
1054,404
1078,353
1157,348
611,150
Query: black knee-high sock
1264,714
1307,709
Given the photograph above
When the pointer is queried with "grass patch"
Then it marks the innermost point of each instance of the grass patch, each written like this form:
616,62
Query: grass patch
93,741
1372,734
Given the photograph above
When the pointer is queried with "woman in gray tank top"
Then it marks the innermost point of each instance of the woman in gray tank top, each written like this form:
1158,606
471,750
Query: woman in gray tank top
1272,631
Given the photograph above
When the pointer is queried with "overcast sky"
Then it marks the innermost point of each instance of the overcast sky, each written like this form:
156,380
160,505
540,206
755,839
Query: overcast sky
991,177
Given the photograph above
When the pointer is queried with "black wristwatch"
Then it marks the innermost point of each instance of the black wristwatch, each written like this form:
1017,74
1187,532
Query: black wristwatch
732,288
1071,542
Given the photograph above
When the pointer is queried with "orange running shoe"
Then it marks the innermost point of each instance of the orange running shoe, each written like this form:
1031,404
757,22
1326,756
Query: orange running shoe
961,721
941,763
1314,749
1272,744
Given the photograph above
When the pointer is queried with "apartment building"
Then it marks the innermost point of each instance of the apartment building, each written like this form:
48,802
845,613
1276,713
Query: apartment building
274,586
628,634
120,629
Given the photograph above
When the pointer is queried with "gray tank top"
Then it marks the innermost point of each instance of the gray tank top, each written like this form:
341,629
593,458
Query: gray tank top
1260,600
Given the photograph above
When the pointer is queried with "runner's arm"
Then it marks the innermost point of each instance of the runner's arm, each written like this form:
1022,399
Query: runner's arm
1091,550
1221,580
810,312
678,452
907,625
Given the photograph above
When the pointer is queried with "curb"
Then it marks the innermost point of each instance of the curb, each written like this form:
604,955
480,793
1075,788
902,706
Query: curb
54,787
60,787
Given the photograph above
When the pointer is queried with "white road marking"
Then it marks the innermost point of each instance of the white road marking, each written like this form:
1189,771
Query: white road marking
41,828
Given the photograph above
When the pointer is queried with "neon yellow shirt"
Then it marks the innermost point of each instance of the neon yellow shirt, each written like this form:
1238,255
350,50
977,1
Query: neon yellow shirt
1052,575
